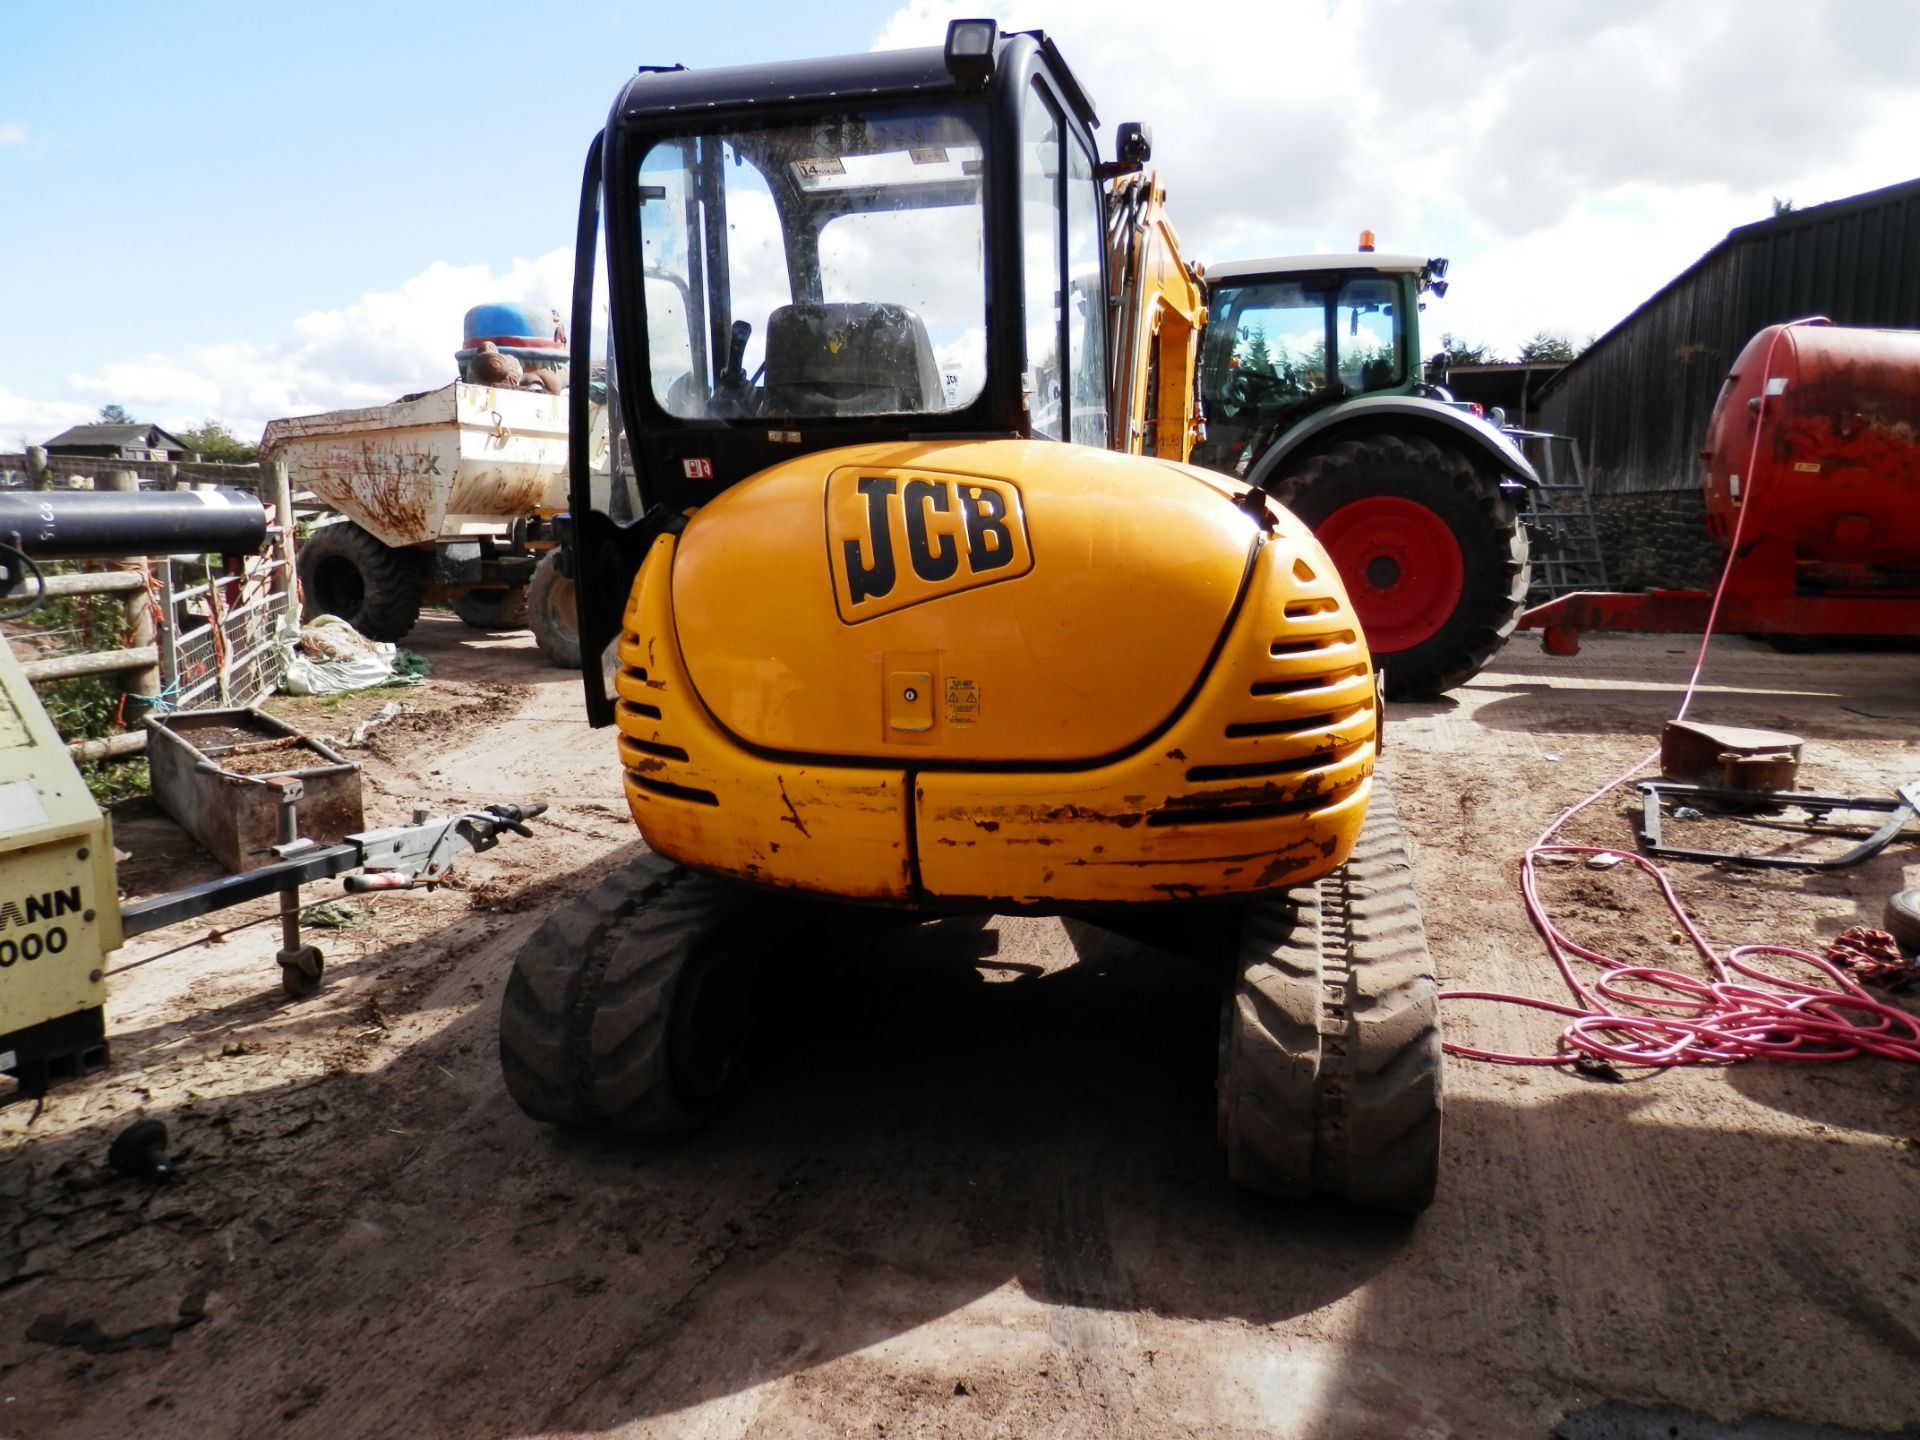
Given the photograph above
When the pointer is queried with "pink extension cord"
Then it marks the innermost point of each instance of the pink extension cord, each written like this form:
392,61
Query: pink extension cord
1744,1012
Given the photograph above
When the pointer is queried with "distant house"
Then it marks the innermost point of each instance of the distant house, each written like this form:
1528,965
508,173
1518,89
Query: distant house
119,442
1638,398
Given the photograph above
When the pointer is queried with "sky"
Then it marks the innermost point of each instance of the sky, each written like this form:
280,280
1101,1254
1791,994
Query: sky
239,211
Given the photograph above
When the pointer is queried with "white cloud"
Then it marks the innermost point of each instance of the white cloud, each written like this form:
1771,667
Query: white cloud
373,350
25,421
1570,157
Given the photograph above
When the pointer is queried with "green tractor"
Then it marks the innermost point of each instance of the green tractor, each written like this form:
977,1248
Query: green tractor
1312,389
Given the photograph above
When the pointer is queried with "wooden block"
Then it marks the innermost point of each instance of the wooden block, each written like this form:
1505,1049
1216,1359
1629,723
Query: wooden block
1693,751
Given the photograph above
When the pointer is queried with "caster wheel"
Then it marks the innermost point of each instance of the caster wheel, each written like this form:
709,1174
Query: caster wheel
300,971
1902,920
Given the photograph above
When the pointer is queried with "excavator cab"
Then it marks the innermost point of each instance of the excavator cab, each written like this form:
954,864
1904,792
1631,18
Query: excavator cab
886,623
894,247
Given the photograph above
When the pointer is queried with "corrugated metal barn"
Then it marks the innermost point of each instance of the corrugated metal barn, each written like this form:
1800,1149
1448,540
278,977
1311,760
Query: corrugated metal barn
1638,399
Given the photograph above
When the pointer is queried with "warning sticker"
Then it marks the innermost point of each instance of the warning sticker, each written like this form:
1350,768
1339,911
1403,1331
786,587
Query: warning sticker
818,169
963,702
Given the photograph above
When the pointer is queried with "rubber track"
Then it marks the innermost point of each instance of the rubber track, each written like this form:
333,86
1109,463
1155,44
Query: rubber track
1331,1068
1501,514
627,1050
546,1016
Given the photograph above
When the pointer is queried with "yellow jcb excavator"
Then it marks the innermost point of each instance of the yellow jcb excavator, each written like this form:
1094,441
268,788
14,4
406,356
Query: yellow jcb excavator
888,622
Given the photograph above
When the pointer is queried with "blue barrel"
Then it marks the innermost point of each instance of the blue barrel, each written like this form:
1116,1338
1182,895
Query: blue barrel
526,332
506,323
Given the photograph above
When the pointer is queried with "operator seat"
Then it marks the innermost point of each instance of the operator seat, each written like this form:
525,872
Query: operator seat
849,358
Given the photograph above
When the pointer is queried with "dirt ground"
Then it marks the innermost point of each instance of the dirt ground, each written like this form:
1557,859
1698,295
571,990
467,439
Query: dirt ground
972,1187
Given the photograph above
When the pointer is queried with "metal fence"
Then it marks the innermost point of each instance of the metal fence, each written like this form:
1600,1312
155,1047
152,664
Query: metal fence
222,638
193,632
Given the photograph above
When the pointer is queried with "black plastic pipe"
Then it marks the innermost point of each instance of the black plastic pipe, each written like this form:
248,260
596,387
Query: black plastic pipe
90,524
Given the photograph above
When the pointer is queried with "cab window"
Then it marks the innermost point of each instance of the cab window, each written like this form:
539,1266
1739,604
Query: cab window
1041,270
1086,302
832,269
1365,341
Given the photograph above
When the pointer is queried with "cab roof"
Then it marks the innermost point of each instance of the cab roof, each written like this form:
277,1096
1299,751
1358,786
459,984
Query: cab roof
1336,260
888,74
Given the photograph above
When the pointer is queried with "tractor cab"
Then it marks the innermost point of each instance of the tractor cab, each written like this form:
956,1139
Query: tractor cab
1290,336
893,247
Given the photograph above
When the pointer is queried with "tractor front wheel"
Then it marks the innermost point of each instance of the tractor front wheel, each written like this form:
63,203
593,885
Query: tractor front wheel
375,588
1330,1056
1432,552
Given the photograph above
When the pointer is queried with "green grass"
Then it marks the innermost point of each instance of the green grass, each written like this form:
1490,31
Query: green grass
109,781
87,707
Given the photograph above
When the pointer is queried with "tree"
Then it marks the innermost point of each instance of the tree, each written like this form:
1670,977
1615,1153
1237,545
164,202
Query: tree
1546,346
1782,207
116,415
1455,351
1254,353
213,441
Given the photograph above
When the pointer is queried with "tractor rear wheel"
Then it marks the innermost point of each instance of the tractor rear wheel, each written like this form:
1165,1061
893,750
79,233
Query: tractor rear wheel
1330,1057
375,588
632,1006
493,609
554,614
1432,552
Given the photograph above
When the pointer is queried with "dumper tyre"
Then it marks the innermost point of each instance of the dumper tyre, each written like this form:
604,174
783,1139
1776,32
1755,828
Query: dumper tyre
1330,1061
375,588
493,609
633,1005
554,614
1432,550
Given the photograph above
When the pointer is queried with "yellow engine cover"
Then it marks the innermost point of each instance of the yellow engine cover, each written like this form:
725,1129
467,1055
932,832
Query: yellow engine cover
1011,672
1064,599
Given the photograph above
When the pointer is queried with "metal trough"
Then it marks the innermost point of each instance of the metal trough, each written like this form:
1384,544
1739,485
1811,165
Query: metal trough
212,771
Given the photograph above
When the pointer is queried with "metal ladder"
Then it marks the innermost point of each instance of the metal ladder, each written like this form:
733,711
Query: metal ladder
1559,519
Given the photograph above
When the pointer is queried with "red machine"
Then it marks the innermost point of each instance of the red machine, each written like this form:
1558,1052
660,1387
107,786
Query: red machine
1830,539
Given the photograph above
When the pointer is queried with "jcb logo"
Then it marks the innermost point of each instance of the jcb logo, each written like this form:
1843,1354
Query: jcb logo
898,537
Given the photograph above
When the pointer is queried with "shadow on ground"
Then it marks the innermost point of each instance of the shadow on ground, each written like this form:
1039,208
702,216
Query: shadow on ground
934,1120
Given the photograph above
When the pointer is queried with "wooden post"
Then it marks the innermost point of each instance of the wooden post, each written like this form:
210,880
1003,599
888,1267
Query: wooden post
37,478
280,496
277,490
169,632
137,609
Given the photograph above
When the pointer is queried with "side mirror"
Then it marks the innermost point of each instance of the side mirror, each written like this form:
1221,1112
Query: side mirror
1134,143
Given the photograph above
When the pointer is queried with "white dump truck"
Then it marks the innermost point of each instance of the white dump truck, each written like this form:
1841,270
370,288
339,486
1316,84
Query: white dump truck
448,495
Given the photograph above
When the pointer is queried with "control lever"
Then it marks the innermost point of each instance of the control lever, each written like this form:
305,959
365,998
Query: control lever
732,389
